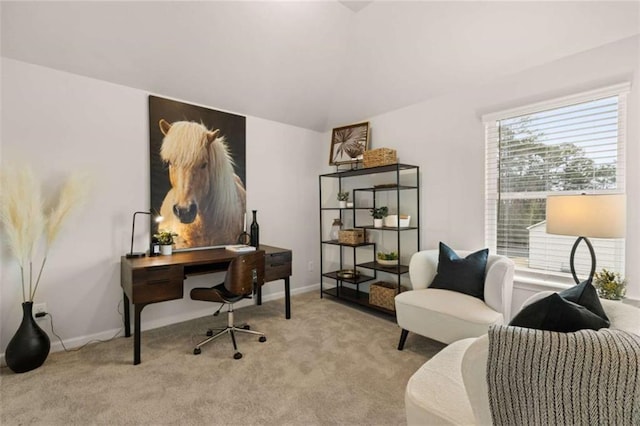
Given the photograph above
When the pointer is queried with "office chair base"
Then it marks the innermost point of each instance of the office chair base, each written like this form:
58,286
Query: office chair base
211,330
231,330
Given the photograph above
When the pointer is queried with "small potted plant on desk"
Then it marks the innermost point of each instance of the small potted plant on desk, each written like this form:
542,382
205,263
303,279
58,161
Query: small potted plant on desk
343,197
165,239
379,214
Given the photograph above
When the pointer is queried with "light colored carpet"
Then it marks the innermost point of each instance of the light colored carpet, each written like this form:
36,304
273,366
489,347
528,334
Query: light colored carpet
330,364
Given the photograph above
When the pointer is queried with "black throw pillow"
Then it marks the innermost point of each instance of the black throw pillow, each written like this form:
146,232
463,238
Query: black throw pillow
585,294
461,275
555,313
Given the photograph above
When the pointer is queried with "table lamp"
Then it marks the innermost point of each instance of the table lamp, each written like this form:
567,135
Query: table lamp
131,254
586,216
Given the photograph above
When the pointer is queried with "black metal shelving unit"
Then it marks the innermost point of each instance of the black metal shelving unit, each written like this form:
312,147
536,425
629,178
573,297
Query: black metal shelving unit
349,289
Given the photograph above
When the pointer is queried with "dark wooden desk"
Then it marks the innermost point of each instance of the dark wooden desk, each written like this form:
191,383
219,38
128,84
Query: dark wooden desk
149,280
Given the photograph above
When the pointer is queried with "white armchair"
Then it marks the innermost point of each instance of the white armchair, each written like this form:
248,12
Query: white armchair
448,316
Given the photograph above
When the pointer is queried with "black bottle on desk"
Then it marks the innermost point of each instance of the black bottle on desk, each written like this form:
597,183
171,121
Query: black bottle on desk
154,248
255,231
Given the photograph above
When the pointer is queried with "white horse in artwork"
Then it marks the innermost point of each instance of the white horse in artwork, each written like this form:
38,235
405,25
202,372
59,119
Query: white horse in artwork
206,203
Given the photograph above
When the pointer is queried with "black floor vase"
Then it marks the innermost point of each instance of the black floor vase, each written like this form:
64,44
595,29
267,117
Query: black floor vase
29,347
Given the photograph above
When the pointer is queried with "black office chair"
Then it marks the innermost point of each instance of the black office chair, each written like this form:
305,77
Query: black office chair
244,275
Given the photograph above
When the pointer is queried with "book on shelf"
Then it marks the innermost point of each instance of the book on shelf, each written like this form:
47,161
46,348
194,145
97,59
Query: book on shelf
240,248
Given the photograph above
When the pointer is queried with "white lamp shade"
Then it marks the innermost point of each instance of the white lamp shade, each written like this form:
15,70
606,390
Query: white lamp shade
593,216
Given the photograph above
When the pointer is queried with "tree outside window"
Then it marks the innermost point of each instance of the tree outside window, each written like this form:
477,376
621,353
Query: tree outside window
572,149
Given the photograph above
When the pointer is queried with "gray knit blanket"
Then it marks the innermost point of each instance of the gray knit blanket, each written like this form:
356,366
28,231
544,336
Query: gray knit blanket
546,378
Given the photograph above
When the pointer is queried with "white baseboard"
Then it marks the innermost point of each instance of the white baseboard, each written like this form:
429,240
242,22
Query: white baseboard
299,290
189,315
75,342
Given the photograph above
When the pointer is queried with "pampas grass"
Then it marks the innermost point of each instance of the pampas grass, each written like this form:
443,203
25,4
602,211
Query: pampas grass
29,230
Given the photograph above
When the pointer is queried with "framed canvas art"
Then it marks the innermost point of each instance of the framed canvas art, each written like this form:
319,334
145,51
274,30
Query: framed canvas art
348,143
197,166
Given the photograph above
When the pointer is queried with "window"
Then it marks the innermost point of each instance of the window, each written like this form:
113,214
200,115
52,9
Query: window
571,145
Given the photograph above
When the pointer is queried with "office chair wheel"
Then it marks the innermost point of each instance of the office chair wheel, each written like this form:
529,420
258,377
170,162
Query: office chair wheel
237,355
209,333
246,327
262,339
197,351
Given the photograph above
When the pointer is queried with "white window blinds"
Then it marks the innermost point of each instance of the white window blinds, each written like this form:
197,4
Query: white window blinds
571,145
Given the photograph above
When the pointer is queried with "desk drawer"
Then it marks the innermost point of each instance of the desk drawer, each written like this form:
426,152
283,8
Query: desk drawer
153,273
157,291
277,266
157,284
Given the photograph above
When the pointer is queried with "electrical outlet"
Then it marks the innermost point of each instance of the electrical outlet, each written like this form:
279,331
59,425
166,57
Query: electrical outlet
310,266
39,308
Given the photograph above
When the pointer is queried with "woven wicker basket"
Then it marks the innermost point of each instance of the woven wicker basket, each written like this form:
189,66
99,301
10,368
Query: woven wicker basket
379,157
383,294
351,236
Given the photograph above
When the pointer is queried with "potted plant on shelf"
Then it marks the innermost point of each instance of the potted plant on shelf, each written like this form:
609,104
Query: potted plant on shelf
379,214
610,285
387,259
165,239
343,197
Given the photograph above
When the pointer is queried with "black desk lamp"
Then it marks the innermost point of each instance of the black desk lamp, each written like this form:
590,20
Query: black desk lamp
131,254
586,216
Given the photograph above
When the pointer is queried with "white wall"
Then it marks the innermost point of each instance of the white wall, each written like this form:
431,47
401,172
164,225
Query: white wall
59,122
445,137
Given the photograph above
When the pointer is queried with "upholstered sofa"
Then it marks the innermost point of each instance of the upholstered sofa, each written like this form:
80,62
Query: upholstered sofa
451,388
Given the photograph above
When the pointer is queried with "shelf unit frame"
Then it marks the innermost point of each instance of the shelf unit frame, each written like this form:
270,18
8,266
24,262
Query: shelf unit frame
355,295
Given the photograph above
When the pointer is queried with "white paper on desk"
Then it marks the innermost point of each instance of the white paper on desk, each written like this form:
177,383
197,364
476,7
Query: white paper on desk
240,248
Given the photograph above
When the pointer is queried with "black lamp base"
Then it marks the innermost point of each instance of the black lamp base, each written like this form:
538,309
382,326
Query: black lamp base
573,254
135,255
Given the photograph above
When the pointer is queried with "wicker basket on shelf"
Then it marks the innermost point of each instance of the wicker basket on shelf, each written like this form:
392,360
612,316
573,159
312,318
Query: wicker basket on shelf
351,236
383,294
379,157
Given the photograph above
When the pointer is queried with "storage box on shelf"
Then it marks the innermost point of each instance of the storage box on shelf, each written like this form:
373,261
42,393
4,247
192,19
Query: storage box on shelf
351,236
393,219
382,294
379,157
355,248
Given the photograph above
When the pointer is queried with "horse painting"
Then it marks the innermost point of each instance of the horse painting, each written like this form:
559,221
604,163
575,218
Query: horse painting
206,203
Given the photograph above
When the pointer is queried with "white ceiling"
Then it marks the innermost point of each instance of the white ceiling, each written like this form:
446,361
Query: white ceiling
312,64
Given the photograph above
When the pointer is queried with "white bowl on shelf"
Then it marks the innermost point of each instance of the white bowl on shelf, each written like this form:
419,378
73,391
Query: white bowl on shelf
387,262
391,221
